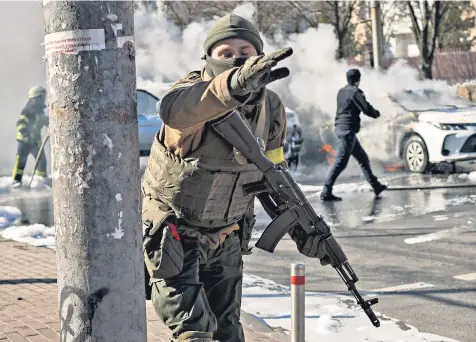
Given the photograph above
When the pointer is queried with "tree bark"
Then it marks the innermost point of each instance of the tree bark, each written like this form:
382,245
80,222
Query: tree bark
95,166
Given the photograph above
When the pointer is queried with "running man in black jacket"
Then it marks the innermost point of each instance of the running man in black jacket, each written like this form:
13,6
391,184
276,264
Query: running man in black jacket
350,102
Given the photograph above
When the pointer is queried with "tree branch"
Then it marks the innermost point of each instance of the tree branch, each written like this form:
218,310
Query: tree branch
415,26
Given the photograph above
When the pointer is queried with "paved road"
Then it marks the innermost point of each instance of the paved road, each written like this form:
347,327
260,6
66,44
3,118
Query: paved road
388,243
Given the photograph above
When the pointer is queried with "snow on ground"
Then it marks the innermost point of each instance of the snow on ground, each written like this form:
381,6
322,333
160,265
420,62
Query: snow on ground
464,228
37,234
6,184
329,317
8,216
472,177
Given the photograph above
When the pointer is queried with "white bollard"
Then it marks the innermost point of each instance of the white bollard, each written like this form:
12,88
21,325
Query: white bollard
297,303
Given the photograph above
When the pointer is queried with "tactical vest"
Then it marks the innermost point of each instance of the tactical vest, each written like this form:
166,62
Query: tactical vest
204,189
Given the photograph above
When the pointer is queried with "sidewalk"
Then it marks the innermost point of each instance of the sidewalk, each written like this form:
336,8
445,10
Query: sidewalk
28,298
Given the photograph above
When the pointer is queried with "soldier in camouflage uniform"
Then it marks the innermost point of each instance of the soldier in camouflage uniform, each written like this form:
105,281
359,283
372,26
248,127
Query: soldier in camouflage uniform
197,221
29,125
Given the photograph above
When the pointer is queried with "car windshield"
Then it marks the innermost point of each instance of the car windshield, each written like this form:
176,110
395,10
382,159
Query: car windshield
419,100
146,103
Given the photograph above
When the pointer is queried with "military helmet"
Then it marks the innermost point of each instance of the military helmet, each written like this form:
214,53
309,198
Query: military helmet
36,91
233,26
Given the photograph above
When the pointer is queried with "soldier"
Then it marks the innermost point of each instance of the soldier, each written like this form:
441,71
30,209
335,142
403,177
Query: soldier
197,221
29,125
350,103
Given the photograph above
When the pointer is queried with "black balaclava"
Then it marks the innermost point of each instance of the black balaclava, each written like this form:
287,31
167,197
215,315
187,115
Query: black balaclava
229,27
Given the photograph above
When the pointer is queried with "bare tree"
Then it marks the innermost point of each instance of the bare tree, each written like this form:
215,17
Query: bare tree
270,17
182,13
391,12
426,26
455,26
309,11
339,14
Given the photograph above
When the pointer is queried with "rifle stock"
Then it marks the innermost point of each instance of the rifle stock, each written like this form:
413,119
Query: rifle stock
293,208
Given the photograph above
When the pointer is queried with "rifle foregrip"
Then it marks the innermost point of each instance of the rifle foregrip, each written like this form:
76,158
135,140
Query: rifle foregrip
335,252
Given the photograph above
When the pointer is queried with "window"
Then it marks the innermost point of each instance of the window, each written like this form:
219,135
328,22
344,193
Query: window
146,103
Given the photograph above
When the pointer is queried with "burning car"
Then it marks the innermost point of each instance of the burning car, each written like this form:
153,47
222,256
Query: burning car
433,128
150,122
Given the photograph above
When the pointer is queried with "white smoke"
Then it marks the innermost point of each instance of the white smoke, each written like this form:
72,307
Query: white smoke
21,67
165,54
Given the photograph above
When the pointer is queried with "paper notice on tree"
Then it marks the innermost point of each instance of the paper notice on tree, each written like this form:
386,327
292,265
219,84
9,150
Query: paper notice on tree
71,42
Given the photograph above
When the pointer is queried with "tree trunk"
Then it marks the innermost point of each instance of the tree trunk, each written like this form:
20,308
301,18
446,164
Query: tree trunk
426,67
95,165
340,49
337,28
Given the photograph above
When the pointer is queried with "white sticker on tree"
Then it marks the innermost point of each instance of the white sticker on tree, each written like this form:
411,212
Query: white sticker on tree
71,42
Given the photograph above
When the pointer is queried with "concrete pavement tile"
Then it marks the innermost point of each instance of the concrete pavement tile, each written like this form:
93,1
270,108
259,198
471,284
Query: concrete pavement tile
36,315
16,337
26,331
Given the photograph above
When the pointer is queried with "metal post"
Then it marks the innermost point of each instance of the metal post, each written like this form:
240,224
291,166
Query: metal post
297,303
91,76
377,34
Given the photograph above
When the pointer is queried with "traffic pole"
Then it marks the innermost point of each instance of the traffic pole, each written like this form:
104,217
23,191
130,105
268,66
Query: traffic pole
297,303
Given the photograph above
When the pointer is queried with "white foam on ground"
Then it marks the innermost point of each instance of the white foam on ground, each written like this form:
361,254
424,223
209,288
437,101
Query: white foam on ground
36,234
36,184
8,216
329,317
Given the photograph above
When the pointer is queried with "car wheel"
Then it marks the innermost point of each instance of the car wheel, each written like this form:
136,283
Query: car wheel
416,155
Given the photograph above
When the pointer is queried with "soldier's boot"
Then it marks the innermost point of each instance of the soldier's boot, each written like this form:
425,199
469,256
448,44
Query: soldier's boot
327,195
16,184
379,188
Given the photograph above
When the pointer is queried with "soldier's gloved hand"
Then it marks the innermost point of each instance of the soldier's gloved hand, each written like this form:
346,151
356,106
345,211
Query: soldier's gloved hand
256,72
312,246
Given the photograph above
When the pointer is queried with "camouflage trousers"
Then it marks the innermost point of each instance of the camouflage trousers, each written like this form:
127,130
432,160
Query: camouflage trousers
203,302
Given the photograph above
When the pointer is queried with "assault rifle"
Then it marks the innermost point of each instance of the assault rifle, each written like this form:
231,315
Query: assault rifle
288,207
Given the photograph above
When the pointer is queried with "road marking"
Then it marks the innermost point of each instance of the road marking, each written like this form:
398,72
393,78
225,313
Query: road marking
404,287
468,276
